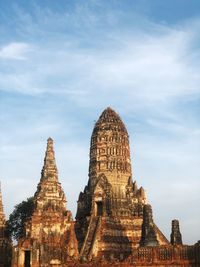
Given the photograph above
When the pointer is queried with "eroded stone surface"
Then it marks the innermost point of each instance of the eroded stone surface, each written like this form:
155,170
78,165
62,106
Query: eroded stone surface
176,237
50,237
110,215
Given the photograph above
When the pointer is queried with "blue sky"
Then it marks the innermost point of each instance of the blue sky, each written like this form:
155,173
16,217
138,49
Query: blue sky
63,62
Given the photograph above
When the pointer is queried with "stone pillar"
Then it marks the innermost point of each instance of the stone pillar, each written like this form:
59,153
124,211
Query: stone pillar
148,232
176,238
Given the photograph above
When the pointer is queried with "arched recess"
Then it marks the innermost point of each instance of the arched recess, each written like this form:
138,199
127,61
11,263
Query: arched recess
102,196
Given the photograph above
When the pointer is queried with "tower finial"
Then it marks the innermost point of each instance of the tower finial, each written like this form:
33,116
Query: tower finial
2,215
49,140
49,170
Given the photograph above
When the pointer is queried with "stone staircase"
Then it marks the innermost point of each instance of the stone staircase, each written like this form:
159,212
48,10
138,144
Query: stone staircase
90,237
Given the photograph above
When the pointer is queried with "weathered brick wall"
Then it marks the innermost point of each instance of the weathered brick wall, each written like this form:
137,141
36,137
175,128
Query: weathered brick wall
171,256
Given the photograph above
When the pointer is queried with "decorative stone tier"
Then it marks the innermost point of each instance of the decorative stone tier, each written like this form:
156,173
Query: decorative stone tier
50,237
110,152
112,214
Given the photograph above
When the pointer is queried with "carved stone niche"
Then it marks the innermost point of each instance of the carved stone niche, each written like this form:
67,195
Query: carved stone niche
101,196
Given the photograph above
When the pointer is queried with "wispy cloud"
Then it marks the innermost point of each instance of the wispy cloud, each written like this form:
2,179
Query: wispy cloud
17,51
145,65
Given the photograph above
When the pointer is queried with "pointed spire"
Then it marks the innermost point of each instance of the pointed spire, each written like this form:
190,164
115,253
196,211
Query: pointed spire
130,182
49,194
49,170
2,215
135,187
109,119
1,202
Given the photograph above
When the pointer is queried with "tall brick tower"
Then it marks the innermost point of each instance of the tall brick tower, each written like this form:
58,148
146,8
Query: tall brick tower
112,217
50,238
110,153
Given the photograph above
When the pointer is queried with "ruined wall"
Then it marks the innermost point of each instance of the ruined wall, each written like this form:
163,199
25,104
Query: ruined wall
162,256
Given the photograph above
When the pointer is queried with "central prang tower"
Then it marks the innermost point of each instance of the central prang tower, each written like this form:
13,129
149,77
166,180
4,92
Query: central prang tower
113,216
110,153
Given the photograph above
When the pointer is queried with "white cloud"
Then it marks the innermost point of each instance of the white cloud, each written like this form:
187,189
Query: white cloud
17,51
150,66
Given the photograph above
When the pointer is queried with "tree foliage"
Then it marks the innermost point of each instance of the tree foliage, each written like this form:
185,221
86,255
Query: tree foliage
17,219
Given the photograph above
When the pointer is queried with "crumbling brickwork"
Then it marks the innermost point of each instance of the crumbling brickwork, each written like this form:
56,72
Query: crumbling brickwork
50,237
176,237
113,215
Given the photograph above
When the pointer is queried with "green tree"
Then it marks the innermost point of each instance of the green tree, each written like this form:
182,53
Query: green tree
17,219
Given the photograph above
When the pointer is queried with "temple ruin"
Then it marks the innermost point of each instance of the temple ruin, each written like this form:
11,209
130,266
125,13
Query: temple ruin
113,215
114,222
50,238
